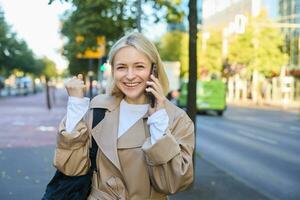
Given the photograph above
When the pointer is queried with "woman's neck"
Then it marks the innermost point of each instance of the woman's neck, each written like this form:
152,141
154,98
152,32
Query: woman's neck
142,100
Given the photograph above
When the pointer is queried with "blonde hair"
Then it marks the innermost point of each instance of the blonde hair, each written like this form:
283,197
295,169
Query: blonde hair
142,44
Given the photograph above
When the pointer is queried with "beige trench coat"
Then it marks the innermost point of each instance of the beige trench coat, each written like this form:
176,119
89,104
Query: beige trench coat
129,167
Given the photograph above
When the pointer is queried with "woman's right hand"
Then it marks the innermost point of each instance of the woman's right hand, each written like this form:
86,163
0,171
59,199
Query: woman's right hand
75,87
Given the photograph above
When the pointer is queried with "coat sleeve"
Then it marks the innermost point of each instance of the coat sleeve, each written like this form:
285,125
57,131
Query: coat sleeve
72,149
170,159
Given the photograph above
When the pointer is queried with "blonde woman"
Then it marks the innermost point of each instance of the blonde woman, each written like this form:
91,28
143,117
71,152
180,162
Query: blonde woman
144,152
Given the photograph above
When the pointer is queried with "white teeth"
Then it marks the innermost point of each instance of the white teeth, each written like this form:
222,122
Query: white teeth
131,84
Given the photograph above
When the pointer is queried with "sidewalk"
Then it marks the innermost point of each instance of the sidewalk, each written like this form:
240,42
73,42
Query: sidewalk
214,184
291,107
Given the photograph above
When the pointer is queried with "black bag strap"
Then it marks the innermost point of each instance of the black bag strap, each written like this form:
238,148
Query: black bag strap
98,115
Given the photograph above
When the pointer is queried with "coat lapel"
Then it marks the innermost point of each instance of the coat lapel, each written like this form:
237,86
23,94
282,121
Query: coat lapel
106,133
135,136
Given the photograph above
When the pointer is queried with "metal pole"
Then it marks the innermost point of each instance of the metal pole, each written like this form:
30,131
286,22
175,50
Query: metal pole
90,74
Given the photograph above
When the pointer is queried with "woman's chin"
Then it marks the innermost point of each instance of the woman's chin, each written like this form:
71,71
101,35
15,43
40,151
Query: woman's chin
139,98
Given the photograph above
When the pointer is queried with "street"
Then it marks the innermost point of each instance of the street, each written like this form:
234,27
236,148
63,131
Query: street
259,147
247,154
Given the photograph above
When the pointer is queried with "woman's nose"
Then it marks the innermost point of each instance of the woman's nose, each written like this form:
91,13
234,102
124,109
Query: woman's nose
130,73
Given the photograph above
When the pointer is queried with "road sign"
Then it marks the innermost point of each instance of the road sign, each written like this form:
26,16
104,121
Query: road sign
91,53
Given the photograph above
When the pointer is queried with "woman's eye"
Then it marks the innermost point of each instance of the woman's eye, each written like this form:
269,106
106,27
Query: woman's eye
140,67
120,67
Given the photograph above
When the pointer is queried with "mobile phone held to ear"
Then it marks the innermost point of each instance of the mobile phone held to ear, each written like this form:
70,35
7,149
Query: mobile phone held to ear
150,95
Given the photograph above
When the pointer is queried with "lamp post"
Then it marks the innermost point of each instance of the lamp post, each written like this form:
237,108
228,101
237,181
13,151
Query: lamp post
90,75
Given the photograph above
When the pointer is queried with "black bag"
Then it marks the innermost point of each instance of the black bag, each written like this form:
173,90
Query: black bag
63,187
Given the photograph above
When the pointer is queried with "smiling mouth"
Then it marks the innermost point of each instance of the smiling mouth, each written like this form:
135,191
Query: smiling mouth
131,84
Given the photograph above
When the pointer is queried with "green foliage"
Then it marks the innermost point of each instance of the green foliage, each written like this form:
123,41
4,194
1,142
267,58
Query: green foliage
210,55
173,46
110,18
50,69
259,48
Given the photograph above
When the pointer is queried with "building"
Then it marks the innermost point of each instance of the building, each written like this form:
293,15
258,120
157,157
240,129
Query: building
289,11
222,14
219,13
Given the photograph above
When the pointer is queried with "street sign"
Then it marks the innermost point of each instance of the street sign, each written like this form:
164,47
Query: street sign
90,53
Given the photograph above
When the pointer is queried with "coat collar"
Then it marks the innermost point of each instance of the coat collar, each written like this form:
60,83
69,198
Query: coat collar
105,101
106,132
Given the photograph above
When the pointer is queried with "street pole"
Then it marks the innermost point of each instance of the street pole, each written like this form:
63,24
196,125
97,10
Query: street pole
48,94
191,105
90,75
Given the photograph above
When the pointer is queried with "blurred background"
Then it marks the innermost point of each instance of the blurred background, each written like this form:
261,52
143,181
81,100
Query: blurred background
246,81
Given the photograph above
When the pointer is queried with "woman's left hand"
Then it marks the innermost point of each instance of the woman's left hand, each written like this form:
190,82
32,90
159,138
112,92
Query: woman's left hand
157,90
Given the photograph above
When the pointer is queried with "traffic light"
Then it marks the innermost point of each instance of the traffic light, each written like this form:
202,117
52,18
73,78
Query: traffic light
103,67
103,64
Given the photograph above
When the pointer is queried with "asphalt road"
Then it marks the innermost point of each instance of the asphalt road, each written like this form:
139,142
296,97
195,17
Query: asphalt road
258,147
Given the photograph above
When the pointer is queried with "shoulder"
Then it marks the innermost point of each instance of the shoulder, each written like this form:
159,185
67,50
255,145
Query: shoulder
175,113
105,101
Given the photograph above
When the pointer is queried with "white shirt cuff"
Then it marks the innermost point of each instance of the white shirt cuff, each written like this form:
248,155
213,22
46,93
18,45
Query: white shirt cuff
158,122
76,109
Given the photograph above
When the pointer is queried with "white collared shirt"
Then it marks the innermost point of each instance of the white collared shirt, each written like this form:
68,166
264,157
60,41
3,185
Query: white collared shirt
129,114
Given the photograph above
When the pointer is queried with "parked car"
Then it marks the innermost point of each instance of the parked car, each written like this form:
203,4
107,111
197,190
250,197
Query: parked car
211,96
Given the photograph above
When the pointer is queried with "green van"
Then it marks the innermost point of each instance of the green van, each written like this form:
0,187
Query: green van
211,96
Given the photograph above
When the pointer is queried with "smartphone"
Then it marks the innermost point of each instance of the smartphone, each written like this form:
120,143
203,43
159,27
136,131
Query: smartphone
150,95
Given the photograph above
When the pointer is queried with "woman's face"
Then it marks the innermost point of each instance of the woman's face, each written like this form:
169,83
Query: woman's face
131,71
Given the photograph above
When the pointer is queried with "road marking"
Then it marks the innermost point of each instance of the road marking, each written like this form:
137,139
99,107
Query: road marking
264,122
18,123
256,137
272,150
294,128
46,128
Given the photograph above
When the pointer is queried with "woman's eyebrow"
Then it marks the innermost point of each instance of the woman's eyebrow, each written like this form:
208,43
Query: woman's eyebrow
139,62
120,63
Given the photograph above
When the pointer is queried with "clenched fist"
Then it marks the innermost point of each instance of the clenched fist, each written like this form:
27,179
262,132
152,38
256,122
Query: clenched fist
75,87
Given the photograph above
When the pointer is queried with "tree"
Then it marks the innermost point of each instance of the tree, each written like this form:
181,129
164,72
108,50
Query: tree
111,18
49,68
210,54
259,48
173,46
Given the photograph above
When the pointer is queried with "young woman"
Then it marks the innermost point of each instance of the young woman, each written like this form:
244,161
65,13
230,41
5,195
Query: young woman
144,152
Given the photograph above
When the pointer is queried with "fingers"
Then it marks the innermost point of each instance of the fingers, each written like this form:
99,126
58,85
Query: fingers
154,79
155,89
154,92
76,81
79,76
155,84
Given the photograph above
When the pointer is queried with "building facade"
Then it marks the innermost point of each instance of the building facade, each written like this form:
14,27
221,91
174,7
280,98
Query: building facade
220,14
289,11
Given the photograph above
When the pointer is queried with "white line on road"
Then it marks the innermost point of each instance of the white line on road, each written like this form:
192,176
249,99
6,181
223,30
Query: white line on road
278,152
257,137
259,121
294,128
